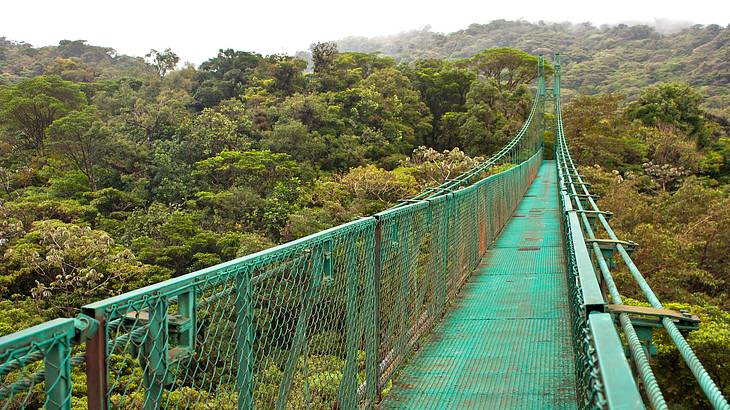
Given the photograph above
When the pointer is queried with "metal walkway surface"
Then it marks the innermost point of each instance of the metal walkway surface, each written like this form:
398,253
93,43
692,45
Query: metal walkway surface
506,341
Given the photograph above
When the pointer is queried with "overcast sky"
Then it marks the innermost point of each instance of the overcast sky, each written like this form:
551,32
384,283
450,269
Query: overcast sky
196,30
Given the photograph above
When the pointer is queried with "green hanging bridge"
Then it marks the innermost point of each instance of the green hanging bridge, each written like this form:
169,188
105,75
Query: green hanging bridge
492,290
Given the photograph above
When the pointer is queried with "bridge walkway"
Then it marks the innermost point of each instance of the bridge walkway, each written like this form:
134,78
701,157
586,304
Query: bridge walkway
506,341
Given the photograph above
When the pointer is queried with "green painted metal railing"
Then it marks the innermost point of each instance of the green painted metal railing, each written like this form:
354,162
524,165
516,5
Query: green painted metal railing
613,391
321,322
603,375
325,321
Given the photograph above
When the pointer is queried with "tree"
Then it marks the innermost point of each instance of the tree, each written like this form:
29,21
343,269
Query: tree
403,113
253,168
448,134
163,61
599,133
153,114
65,265
282,75
324,56
211,132
675,104
30,106
493,115
81,138
431,167
508,66
443,86
224,76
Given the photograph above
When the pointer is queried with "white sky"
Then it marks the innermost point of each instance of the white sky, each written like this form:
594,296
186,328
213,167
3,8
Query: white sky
195,30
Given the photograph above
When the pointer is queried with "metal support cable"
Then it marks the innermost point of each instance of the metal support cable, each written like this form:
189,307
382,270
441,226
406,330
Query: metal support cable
705,381
637,351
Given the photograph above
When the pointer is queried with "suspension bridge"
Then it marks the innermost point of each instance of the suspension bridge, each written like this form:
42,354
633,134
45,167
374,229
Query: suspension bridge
493,290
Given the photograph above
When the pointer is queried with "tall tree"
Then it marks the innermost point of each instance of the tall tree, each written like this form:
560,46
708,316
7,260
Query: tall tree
82,139
224,76
286,72
508,66
324,56
674,104
30,106
443,87
163,61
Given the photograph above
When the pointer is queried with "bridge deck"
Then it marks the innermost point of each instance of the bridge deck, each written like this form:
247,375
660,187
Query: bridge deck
506,342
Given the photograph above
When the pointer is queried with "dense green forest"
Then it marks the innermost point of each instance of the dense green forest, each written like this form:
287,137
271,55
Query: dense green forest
621,58
118,172
121,171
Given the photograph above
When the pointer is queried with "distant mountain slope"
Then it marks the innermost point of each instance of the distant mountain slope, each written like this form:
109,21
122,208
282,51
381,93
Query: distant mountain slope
72,60
595,59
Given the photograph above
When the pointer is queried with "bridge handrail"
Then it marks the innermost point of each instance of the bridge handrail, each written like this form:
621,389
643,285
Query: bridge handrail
246,330
572,182
603,375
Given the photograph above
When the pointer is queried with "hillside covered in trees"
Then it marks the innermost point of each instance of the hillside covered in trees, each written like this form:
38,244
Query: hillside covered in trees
121,171
622,58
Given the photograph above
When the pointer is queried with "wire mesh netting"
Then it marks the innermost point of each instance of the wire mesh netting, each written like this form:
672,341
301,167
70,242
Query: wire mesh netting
322,322
589,389
35,366
283,326
291,326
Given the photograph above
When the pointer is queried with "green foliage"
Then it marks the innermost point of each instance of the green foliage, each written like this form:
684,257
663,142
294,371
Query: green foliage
508,67
599,133
431,167
606,59
116,173
18,314
213,131
163,61
323,56
373,184
224,76
443,87
682,236
674,104
61,265
485,126
83,140
30,106
710,343
175,239
230,168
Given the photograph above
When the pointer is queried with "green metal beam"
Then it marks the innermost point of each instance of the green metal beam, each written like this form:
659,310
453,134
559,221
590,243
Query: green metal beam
619,385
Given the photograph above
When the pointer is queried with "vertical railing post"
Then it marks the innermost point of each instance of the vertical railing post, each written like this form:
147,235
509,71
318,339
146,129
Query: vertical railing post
433,265
372,335
186,307
57,361
482,226
96,369
244,339
155,353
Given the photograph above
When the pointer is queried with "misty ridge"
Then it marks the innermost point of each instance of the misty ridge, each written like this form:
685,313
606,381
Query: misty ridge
619,58
660,26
